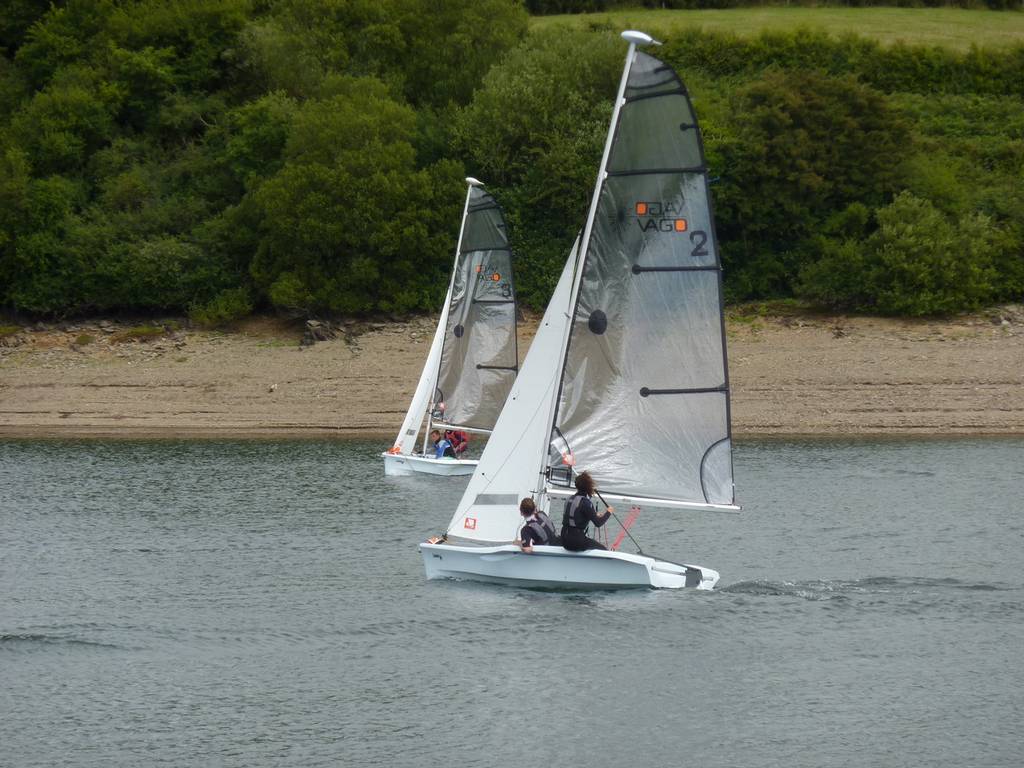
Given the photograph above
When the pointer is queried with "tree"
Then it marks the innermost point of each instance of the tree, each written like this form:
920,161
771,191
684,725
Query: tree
806,146
917,262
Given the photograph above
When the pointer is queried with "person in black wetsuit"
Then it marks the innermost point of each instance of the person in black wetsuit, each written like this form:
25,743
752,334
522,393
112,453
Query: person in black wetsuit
579,514
537,527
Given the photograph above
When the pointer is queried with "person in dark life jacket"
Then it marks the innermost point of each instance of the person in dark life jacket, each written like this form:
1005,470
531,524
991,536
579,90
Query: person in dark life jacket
579,514
537,527
442,448
459,440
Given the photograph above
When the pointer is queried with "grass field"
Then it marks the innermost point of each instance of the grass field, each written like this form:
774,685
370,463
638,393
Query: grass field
950,27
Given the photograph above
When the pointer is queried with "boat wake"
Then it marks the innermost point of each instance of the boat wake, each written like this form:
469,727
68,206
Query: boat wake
832,589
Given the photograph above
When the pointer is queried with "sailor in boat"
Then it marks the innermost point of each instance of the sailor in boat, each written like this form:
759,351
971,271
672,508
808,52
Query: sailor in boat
537,527
579,514
459,440
442,448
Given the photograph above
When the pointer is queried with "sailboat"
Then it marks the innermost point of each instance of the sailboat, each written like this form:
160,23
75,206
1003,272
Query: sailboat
473,358
627,376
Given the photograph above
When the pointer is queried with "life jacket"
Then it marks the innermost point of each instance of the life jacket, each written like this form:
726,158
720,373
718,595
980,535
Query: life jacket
458,439
546,522
569,517
540,530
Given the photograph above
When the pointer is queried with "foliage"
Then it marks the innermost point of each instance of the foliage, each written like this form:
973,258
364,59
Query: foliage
544,7
805,146
228,305
535,131
917,262
218,156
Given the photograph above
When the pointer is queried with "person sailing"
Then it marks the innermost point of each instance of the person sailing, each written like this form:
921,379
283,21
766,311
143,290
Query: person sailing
459,440
579,513
537,527
442,448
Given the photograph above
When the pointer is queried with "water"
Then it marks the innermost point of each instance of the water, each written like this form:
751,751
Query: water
263,604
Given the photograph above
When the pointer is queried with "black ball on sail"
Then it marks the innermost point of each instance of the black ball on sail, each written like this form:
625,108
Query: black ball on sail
598,322
458,330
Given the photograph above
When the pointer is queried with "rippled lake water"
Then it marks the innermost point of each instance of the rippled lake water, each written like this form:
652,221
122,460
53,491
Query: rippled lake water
263,604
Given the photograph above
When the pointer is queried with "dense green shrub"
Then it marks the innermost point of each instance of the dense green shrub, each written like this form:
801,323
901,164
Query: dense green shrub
917,262
806,145
345,222
307,155
228,305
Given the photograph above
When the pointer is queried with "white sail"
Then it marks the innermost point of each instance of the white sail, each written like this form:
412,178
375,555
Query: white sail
643,401
405,443
478,362
479,359
508,468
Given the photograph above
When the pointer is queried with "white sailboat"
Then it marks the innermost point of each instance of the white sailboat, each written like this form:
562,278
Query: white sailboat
627,375
473,358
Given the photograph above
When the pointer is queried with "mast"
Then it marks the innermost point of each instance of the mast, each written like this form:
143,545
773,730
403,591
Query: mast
581,254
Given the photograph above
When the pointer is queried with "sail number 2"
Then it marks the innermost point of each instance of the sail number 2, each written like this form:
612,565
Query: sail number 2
699,238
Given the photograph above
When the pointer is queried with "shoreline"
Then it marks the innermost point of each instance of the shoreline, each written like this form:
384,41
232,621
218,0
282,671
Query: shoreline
792,377
47,434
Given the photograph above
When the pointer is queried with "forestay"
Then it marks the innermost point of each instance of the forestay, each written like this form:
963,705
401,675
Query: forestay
478,355
509,467
643,402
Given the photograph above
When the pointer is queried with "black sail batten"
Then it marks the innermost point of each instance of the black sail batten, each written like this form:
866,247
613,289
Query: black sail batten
655,95
643,395
479,354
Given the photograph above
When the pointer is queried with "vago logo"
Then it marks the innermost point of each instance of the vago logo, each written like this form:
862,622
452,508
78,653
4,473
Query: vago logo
659,217
489,277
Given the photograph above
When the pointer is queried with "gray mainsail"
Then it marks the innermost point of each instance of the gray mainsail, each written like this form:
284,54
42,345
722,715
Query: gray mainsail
479,358
644,398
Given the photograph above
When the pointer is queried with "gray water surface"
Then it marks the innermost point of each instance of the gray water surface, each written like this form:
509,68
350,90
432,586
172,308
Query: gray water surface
263,604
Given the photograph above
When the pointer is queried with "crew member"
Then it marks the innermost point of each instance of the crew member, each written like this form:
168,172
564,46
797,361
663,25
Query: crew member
459,440
442,448
579,514
534,531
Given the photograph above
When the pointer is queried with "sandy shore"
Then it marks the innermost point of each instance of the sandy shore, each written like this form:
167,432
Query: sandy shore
807,375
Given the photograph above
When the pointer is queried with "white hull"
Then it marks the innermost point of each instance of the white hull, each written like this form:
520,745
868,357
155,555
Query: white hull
399,464
555,567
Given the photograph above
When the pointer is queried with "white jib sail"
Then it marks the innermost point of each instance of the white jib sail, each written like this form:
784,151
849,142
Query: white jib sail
405,443
508,468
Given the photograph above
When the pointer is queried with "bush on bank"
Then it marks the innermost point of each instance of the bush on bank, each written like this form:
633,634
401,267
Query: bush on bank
307,156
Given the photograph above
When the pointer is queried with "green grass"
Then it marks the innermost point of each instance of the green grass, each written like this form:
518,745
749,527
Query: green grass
954,28
9,330
84,338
